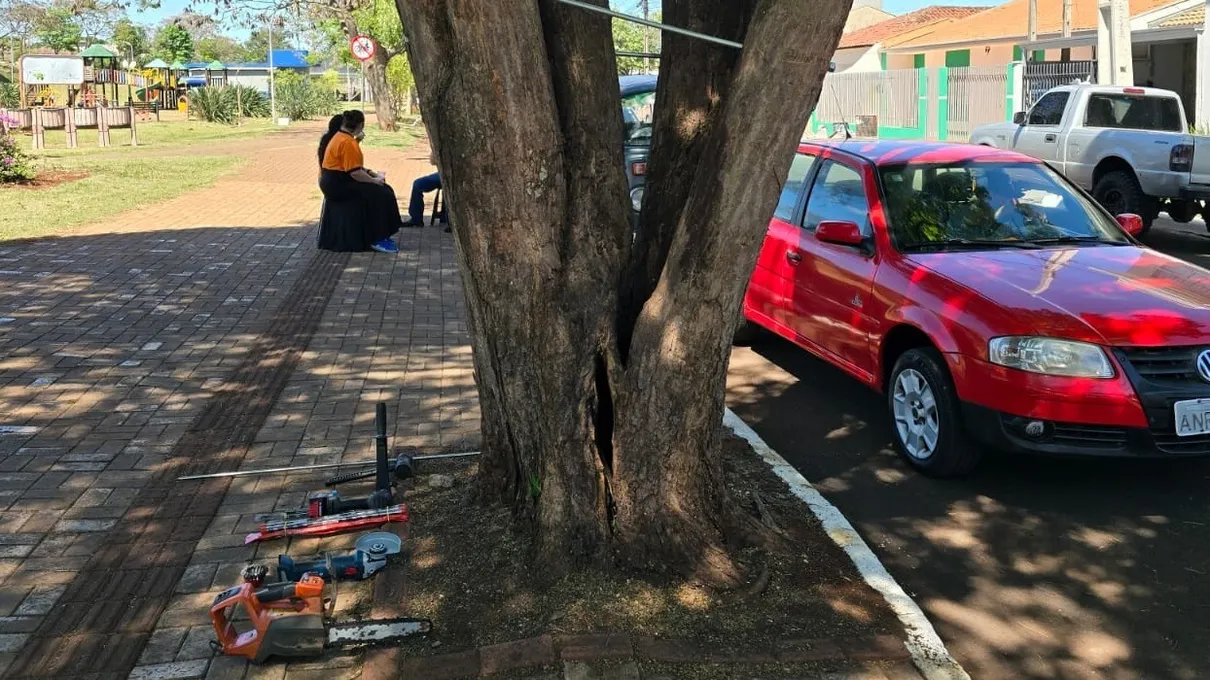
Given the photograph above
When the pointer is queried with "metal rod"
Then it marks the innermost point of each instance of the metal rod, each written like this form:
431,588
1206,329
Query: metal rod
326,466
653,24
639,55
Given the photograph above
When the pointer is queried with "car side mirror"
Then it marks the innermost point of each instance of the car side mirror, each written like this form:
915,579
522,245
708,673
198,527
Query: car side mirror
1019,118
839,233
1132,224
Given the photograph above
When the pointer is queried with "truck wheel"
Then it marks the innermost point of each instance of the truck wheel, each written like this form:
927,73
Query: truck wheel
1182,212
1119,192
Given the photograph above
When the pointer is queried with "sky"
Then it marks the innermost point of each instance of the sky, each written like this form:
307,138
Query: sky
170,8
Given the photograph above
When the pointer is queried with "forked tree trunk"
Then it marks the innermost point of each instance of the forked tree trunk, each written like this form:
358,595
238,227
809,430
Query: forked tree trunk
602,401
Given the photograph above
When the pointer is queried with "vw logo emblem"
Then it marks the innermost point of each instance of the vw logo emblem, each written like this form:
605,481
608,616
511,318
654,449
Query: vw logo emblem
1203,365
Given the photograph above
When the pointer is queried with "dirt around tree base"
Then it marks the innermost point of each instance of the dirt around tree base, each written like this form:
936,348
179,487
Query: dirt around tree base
469,572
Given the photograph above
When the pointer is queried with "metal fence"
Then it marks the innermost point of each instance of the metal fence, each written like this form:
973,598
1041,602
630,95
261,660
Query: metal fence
1040,76
976,97
869,100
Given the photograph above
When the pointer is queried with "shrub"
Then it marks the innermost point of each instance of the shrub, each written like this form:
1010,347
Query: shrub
252,104
214,104
10,96
15,165
298,98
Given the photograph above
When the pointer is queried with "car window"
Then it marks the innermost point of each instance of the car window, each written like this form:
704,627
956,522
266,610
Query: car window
1133,112
988,202
839,195
1049,109
800,170
636,117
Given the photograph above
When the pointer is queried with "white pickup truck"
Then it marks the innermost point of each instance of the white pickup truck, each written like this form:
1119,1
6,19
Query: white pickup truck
1129,146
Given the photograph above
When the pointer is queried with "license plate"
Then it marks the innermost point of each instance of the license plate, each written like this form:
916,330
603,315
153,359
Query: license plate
1192,417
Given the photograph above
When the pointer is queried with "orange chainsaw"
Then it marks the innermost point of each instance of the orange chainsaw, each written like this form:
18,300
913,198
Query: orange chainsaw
257,621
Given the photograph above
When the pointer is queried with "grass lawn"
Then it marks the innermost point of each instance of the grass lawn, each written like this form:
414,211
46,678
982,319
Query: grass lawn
403,138
113,185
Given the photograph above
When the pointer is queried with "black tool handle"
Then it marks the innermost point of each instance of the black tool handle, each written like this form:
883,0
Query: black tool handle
275,592
382,465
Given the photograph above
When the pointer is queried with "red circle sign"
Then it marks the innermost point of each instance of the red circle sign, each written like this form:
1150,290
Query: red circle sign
363,47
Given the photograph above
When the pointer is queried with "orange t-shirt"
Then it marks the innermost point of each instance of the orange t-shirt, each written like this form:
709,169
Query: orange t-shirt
343,154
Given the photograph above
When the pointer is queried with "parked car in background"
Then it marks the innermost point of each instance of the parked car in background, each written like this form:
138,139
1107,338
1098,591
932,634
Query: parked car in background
992,301
1129,146
638,101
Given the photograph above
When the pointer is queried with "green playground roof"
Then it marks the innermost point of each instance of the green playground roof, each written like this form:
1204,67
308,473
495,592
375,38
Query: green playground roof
157,63
177,66
98,52
216,65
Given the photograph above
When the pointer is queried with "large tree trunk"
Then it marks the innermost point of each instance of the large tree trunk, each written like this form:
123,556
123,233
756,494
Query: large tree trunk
385,107
602,401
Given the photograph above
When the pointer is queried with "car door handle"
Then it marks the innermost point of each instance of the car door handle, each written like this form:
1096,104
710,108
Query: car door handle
1050,138
793,257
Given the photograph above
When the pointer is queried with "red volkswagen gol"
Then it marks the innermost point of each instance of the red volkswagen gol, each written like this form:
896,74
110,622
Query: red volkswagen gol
991,300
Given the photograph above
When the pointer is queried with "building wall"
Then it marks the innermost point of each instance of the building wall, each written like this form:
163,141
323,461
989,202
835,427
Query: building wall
858,59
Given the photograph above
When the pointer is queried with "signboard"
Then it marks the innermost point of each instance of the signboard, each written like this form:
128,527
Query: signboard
363,47
51,69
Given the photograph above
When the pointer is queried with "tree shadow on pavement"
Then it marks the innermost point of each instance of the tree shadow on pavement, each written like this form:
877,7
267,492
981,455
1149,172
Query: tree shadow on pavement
1031,567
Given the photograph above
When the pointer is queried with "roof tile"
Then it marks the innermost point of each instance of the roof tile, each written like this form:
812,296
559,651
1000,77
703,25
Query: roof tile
1011,21
890,28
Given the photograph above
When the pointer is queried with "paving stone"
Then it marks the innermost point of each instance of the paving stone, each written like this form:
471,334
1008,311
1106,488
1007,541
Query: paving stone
178,670
227,668
197,644
163,645
197,578
581,670
40,601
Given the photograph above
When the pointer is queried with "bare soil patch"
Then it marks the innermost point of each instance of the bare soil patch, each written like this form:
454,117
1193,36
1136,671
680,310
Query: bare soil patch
47,179
469,572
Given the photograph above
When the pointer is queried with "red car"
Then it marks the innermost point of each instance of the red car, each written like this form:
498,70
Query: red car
993,302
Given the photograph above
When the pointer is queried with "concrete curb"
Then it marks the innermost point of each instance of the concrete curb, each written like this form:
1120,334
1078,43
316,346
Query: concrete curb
927,650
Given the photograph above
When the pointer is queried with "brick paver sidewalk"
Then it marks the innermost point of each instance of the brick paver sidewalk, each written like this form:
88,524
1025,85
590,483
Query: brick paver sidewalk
148,345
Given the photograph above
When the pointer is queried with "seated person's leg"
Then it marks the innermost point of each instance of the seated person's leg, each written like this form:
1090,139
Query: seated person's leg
420,187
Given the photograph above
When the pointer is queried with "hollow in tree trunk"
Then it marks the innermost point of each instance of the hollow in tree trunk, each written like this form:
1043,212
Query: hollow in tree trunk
601,369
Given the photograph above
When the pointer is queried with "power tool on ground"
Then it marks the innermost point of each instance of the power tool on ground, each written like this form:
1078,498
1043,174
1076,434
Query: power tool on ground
292,620
369,555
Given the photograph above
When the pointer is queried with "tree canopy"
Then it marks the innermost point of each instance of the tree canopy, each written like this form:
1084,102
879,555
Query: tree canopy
173,43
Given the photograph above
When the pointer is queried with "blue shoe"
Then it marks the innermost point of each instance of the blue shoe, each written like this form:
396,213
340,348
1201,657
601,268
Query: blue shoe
386,245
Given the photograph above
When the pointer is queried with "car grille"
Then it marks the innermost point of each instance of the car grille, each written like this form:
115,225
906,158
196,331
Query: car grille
1164,365
1168,442
1089,436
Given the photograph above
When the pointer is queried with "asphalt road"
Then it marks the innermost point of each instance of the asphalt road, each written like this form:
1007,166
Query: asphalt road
1032,567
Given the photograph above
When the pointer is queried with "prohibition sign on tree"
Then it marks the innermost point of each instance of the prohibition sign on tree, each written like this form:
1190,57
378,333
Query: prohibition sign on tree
363,47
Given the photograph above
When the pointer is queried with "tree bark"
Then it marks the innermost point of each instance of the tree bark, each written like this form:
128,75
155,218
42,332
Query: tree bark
602,402
385,107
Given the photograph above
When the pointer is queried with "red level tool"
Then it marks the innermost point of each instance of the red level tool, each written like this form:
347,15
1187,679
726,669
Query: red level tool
329,525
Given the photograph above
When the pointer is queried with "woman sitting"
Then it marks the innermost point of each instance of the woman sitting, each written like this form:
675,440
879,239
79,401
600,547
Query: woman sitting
360,210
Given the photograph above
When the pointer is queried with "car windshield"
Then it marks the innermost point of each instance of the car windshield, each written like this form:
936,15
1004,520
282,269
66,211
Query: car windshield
989,205
636,117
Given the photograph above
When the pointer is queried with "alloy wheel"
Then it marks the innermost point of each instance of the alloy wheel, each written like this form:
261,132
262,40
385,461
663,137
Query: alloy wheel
915,408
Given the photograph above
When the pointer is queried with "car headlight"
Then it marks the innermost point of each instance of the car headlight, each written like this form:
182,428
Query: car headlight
1050,356
636,198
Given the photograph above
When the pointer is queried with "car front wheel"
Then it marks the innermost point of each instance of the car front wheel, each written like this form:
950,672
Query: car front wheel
928,430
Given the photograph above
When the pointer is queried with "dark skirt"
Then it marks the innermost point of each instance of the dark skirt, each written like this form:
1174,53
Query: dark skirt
355,214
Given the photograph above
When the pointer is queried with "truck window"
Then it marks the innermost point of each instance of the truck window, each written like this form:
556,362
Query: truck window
636,117
1049,109
1133,112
